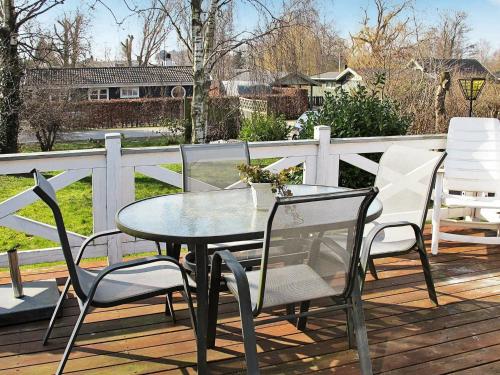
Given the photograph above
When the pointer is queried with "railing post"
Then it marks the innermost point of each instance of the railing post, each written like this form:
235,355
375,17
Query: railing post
327,165
113,193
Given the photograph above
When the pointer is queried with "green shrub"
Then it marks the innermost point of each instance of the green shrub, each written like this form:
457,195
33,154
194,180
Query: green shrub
264,128
358,113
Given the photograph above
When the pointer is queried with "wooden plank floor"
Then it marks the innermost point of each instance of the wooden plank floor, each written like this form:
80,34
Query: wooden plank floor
407,334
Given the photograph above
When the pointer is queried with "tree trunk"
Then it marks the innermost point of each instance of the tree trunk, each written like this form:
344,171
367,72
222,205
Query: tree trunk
200,94
10,78
440,103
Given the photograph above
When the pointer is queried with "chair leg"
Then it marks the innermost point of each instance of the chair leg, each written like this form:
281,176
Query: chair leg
302,321
192,314
436,214
371,267
158,248
290,310
427,271
56,311
350,329
169,306
249,340
358,318
177,251
72,338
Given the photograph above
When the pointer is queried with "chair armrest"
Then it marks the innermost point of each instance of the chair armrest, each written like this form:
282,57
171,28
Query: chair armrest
231,262
134,263
368,242
236,269
92,238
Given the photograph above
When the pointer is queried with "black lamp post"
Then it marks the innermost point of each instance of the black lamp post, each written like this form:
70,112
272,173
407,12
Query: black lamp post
471,88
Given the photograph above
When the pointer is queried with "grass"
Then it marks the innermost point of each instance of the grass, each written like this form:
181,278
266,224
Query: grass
76,199
126,142
76,206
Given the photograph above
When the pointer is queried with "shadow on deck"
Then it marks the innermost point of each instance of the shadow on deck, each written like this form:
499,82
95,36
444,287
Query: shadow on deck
407,334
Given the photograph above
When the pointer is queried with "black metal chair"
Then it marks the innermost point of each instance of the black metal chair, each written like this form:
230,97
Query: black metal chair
299,264
207,167
114,285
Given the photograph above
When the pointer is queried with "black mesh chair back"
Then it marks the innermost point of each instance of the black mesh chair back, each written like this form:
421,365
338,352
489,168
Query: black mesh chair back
312,247
212,166
47,194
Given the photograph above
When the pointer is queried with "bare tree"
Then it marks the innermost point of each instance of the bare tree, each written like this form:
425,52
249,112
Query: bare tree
71,39
13,17
195,22
376,43
46,114
126,46
155,29
309,46
450,36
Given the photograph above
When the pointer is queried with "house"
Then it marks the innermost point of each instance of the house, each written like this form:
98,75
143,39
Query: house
107,83
328,81
461,67
247,82
300,81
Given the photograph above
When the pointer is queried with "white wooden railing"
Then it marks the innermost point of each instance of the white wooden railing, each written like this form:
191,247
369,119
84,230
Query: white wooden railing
113,179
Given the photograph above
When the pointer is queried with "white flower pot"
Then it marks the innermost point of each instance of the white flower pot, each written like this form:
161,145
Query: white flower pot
263,196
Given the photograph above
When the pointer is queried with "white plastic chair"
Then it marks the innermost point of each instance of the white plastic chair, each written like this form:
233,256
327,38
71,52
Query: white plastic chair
472,173
405,180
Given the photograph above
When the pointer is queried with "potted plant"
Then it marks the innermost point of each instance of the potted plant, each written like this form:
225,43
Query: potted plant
266,184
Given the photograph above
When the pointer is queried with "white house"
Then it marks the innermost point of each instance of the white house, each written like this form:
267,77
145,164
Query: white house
331,80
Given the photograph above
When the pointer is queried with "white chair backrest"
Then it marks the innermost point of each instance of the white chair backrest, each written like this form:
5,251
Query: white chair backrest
404,179
473,161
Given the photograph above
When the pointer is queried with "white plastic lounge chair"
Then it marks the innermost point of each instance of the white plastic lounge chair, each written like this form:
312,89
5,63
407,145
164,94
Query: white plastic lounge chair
470,181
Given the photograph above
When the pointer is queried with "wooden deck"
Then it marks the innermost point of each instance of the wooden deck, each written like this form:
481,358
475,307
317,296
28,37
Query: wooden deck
407,334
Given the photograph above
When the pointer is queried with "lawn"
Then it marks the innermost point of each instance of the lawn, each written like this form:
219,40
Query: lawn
76,199
76,206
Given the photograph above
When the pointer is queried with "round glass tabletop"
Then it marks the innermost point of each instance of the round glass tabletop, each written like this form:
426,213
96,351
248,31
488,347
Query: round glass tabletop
208,217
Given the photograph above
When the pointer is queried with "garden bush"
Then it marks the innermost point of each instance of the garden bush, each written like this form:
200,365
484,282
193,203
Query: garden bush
261,127
358,113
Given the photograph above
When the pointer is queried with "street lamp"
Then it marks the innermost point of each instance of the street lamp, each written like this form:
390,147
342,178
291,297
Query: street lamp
471,88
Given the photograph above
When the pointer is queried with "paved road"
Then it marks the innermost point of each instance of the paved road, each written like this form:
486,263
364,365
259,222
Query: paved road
84,135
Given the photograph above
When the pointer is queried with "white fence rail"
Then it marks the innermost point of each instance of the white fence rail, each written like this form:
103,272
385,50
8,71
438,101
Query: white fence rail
113,180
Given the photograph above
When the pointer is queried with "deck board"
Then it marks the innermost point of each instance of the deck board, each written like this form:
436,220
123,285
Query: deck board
407,333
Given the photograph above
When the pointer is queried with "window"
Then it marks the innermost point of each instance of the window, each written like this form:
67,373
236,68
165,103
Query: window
98,94
59,96
178,92
129,92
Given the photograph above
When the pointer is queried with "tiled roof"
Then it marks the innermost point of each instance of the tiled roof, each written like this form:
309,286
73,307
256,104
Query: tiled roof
110,76
325,76
295,79
464,66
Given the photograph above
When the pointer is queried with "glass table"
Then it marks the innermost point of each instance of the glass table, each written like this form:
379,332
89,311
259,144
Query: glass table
200,219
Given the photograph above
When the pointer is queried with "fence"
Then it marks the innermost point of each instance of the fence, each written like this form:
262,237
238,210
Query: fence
316,101
113,172
251,106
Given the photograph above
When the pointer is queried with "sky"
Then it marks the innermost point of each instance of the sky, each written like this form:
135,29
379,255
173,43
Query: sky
345,15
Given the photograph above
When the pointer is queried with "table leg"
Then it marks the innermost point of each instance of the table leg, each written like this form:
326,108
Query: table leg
201,256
